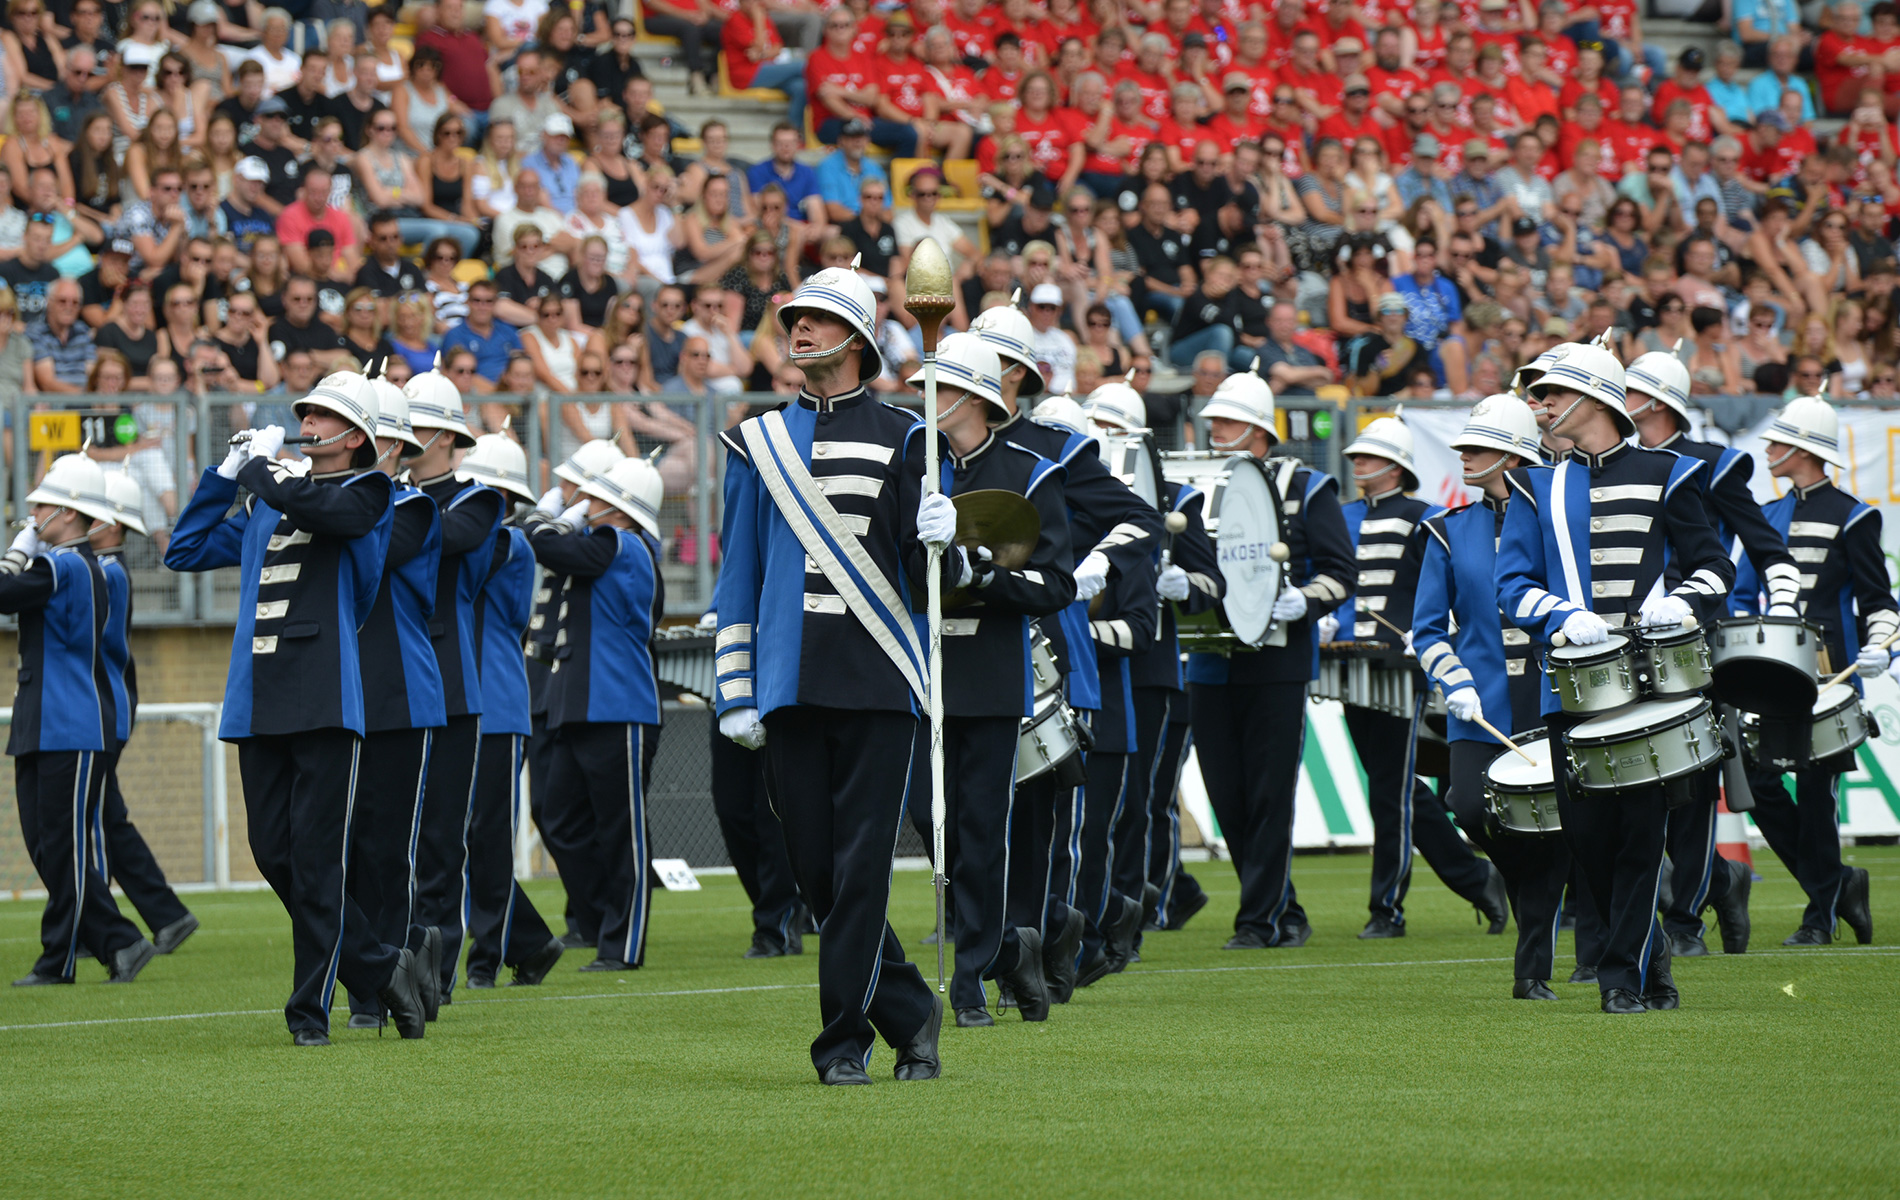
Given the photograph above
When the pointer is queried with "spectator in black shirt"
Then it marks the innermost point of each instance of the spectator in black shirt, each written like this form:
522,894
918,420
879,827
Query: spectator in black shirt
1384,363
1249,304
268,147
1868,234
1203,190
870,232
994,273
301,330
132,332
386,272
1206,321
1163,256
307,103
30,276
242,106
587,291
606,74
70,101
519,286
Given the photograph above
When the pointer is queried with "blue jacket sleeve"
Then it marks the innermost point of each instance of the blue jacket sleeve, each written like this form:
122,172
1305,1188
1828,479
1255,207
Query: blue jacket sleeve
736,594
1431,615
204,538
25,586
344,511
1329,547
582,555
1521,573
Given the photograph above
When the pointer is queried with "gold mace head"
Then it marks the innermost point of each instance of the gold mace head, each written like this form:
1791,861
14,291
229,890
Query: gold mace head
928,283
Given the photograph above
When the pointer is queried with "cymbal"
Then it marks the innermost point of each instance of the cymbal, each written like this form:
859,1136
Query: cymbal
1004,521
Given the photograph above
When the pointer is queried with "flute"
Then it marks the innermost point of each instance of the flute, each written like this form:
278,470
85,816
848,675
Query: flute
244,435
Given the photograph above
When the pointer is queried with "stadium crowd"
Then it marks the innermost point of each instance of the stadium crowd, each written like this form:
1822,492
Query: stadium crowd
1402,197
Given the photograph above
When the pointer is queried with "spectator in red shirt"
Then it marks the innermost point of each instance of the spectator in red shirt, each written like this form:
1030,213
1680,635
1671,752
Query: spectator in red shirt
1235,124
1251,61
1354,120
1149,73
1402,136
1553,16
1318,91
465,67
751,43
909,94
1198,67
1111,52
1177,18
1706,118
960,96
1181,129
1590,126
1115,142
1339,23
1038,40
696,24
1533,93
1425,40
1587,79
1289,19
1844,61
973,25
1490,80
1069,19
1763,159
840,86
1050,133
1007,68
1392,81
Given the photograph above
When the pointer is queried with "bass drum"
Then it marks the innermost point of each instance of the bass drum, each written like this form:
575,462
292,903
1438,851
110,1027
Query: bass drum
1840,727
1131,458
1244,517
1766,665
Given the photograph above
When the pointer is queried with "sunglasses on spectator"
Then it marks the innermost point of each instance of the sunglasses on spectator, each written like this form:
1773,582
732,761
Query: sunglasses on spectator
586,372
920,194
624,362
1098,323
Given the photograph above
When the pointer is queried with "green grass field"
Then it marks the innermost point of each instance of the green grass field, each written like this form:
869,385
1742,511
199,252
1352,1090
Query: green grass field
1343,1069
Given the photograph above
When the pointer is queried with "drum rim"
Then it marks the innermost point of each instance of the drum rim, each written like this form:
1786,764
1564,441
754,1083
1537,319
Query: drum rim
1760,619
1529,746
1573,655
1695,704
1850,698
1675,637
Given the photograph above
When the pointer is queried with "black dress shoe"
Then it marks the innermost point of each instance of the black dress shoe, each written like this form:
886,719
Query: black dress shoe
1852,905
1733,911
429,972
1659,991
1093,970
1058,958
606,964
1025,983
1120,937
1623,1002
974,1018
173,936
919,1059
842,1072
1662,999
532,972
127,963
1687,945
402,996
1532,989
38,980
1382,927
1150,905
764,945
310,1037
1293,936
1808,935
481,981
365,1021
1184,911
1584,975
1245,939
1495,904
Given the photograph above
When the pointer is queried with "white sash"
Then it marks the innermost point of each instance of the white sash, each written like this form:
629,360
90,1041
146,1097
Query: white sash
823,534
1560,525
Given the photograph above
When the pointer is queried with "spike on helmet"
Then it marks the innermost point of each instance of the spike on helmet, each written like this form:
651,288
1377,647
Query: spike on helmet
498,461
1589,371
588,460
1009,333
76,482
967,361
841,293
633,486
1659,374
1391,439
1805,423
1501,422
1117,405
346,394
1243,397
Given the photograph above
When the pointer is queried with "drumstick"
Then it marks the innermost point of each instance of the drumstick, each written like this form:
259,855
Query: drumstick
1491,729
1891,639
1381,620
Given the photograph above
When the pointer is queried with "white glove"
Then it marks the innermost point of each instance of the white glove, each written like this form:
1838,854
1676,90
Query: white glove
709,621
575,516
550,503
1328,629
1782,610
1407,639
1872,661
1291,605
1585,628
235,457
266,442
1464,704
1665,610
1091,575
27,542
742,726
1173,584
936,520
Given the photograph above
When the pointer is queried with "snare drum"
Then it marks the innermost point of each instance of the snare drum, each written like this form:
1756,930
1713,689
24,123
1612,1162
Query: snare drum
1841,726
1766,665
1522,796
1042,662
1052,740
1243,518
1652,743
1594,679
1675,662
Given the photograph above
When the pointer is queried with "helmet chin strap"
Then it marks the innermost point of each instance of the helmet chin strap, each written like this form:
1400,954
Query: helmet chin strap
1775,462
815,355
1488,472
963,400
1637,412
1235,444
431,442
1556,422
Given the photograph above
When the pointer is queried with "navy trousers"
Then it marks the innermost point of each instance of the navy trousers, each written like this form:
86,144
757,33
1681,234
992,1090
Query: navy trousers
1179,890
504,927
128,861
1406,813
1102,801
1247,738
838,780
60,794
299,794
1136,830
1036,901
1804,831
567,830
754,841
1702,876
448,796
1535,867
392,768
604,767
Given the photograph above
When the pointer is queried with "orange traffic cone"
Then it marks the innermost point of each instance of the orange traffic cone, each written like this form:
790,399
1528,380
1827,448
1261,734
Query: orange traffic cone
1731,834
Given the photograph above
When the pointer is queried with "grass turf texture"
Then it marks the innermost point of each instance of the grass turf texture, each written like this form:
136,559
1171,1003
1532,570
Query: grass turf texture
1347,1068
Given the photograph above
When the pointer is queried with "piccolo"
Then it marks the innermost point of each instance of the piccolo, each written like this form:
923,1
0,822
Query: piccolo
244,435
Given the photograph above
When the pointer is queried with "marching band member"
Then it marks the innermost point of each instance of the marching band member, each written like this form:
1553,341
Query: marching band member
471,514
1551,446
1108,526
1657,391
126,859
66,723
821,667
1584,546
1148,837
988,684
402,710
504,927
310,547
566,824
603,698
1249,717
1836,539
1388,536
1486,669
